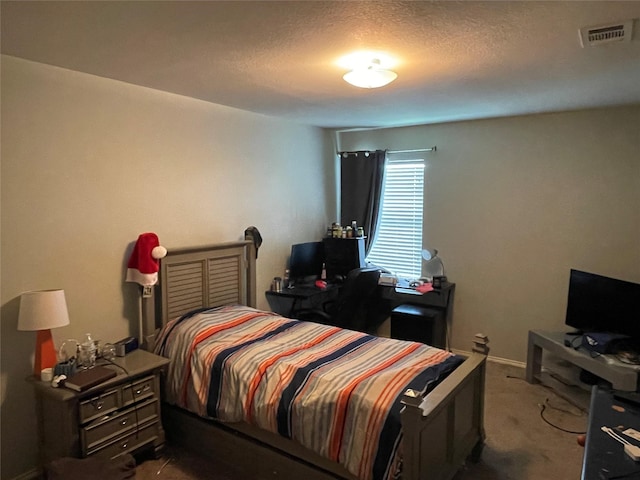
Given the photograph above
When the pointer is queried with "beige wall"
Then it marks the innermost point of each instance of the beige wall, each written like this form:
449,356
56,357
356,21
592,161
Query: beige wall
513,204
89,163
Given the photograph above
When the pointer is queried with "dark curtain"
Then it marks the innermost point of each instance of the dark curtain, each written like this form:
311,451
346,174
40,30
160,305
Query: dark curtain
360,190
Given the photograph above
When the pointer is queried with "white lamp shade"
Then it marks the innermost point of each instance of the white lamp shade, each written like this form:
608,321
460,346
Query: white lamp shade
41,310
429,254
370,77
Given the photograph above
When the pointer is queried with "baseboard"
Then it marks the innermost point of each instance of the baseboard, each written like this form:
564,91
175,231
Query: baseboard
32,474
491,358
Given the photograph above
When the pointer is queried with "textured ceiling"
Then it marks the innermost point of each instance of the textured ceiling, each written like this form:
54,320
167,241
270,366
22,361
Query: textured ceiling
456,60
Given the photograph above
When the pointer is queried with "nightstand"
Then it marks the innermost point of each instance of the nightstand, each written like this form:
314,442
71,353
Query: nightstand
121,415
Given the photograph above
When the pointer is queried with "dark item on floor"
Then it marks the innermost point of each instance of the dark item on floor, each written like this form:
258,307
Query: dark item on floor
590,378
91,468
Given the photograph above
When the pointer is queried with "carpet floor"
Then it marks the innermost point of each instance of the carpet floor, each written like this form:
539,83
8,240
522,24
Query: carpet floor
522,443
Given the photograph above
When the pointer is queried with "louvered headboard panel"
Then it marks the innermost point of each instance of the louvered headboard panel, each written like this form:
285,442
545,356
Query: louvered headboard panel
207,276
186,287
225,281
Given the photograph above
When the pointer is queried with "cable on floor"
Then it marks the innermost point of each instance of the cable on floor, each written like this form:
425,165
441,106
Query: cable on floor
164,465
546,404
582,409
543,407
564,410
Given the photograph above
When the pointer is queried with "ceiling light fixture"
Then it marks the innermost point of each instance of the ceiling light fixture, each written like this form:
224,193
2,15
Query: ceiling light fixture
370,76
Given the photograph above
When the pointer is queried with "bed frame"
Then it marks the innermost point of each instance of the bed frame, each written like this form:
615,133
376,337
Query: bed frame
440,430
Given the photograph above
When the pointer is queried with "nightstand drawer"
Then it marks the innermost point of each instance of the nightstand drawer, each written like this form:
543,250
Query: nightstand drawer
128,443
103,430
139,390
99,405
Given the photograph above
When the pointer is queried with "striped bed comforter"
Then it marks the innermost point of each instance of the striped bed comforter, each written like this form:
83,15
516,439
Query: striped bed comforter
335,391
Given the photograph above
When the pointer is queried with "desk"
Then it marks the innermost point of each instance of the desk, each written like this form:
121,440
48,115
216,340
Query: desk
432,331
604,457
386,298
290,300
439,298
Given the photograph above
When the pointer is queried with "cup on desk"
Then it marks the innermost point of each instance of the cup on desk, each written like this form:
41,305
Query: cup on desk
438,281
276,285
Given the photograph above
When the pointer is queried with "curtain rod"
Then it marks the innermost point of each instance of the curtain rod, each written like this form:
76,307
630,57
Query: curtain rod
431,149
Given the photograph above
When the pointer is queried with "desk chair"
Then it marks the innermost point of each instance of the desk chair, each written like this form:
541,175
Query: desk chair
349,309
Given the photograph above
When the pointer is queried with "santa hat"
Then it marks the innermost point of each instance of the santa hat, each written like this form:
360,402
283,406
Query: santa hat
143,264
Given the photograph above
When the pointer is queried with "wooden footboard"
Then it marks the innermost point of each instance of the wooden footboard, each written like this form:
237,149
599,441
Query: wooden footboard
443,429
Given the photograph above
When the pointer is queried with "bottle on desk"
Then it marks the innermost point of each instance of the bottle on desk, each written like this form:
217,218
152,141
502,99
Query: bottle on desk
323,274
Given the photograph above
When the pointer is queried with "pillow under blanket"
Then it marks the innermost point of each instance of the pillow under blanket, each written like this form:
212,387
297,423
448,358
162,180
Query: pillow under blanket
91,468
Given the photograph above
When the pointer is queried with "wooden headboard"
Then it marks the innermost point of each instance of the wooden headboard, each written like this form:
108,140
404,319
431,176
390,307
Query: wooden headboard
207,276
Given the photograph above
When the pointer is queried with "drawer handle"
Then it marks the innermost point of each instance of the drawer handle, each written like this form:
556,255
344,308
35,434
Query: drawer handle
124,421
146,388
98,405
124,445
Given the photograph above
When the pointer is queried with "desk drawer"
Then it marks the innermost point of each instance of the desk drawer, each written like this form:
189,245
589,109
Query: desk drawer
116,424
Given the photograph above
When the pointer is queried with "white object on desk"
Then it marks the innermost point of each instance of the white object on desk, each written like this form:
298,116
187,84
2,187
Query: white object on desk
631,450
387,279
433,265
46,374
408,290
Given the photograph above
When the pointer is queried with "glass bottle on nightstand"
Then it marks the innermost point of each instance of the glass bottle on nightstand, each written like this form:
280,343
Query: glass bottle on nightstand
87,353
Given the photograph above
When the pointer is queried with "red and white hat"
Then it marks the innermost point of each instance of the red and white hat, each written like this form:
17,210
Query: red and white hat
143,264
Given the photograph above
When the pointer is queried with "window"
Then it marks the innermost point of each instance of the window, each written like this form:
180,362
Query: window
398,242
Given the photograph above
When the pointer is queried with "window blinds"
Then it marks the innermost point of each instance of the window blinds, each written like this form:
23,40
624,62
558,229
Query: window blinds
398,242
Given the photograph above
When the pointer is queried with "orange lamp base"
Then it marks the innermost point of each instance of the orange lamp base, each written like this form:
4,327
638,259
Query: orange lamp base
45,352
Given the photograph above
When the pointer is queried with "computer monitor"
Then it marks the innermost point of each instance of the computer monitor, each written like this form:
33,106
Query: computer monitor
305,263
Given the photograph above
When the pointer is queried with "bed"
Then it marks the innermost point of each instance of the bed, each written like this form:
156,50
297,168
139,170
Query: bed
208,289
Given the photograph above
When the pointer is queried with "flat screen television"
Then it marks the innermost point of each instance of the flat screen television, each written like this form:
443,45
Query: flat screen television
597,303
305,262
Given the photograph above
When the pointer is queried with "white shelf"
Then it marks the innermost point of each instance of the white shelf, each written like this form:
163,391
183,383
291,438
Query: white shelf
621,376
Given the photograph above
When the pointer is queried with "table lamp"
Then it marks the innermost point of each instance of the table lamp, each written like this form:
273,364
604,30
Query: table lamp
41,311
433,266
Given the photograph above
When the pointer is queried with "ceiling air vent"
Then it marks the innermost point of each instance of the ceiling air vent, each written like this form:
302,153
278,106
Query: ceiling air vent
600,35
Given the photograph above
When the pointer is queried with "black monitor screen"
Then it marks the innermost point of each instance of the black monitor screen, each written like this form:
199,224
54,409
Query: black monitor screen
306,261
601,304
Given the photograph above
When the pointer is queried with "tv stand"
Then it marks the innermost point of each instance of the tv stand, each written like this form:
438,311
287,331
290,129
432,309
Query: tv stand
621,376
575,333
